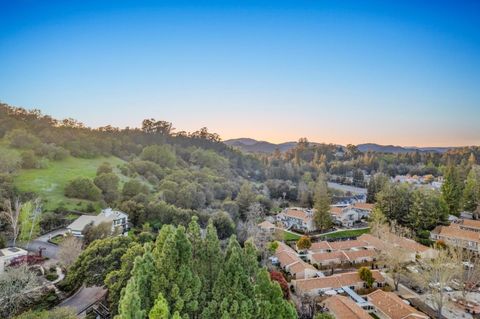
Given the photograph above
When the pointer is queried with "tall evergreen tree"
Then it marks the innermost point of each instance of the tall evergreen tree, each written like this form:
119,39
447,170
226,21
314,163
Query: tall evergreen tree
160,309
322,216
471,192
130,306
452,189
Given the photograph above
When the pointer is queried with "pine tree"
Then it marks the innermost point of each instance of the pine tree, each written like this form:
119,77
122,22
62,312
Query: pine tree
175,278
118,279
322,217
471,192
452,190
160,309
269,297
130,306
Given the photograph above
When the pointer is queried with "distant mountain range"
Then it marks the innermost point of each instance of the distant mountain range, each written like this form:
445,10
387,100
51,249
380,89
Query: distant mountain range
253,146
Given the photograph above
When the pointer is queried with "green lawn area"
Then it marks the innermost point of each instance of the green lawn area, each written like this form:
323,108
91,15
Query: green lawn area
348,233
49,183
290,237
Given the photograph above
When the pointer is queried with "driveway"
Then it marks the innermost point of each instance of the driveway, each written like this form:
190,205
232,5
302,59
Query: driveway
84,298
50,250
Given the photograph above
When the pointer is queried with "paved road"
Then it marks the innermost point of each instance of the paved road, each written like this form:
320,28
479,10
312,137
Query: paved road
83,298
51,250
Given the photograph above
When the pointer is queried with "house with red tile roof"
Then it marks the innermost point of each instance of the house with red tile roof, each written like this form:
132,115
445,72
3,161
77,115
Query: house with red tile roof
344,308
318,286
297,218
389,306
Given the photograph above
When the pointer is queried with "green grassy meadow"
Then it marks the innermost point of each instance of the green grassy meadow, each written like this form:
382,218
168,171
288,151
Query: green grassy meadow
347,233
49,183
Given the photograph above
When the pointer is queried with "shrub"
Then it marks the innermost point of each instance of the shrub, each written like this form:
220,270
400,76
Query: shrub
83,188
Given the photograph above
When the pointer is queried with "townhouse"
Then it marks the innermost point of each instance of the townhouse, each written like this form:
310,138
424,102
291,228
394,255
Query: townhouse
291,263
320,285
347,216
342,307
411,248
457,235
297,218
388,305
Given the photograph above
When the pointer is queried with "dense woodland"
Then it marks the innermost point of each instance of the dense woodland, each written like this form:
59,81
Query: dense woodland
177,185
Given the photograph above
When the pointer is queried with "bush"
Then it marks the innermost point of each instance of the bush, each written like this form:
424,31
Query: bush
83,188
51,276
29,160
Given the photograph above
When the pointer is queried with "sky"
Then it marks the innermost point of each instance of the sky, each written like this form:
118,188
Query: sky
388,72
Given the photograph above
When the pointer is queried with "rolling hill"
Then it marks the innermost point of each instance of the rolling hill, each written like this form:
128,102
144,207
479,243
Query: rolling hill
253,146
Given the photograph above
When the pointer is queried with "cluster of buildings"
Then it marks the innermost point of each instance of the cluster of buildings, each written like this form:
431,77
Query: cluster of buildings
342,291
337,253
385,305
118,221
301,219
461,233
425,180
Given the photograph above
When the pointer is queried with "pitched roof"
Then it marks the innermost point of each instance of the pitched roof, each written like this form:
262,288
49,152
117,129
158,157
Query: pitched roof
286,258
298,214
335,210
344,308
405,243
320,245
266,225
347,244
392,306
334,281
355,254
453,231
299,267
323,257
363,206
470,223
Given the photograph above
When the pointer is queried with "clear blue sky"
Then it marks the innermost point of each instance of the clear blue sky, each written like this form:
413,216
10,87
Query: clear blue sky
405,73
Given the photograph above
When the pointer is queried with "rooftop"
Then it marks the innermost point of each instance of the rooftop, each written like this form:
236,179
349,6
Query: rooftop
344,308
393,306
335,281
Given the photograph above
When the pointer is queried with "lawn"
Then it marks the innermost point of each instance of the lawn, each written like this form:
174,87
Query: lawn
347,233
49,183
290,237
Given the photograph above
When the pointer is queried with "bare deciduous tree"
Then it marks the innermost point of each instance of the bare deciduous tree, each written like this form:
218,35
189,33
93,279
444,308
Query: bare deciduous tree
70,248
11,215
17,286
437,273
469,272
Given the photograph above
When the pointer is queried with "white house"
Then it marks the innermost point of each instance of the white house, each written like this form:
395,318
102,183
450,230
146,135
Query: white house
9,254
297,218
118,220
344,216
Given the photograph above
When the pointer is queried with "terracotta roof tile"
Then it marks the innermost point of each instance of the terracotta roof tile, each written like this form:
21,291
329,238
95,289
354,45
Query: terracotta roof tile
344,308
392,306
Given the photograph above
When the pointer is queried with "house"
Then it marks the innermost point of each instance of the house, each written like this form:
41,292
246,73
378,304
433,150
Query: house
118,220
267,226
297,218
363,209
342,256
290,262
7,255
455,235
468,224
389,306
344,308
411,248
320,285
344,216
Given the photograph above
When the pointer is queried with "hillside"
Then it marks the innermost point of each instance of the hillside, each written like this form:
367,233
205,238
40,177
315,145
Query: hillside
49,183
253,146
